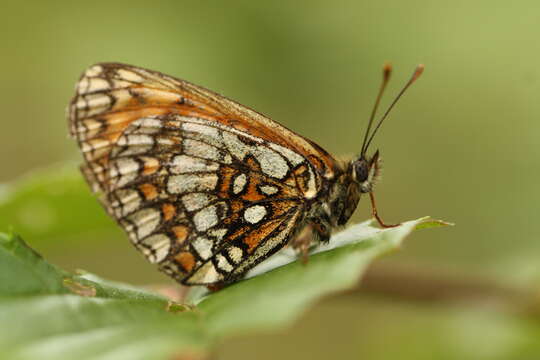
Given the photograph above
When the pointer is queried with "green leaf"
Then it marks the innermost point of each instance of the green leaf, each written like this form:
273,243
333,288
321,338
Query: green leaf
48,313
71,326
277,298
23,271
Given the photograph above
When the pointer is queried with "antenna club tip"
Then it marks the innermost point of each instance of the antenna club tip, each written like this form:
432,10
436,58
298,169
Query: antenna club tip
387,69
418,71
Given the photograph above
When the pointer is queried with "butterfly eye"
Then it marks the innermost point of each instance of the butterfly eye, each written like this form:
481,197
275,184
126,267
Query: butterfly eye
361,170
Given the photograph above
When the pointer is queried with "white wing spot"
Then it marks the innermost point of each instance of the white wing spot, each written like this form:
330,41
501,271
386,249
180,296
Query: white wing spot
217,233
81,85
190,182
205,218
123,166
235,253
186,164
149,122
145,220
125,171
206,274
95,144
201,129
89,125
271,162
160,244
239,183
203,247
196,201
94,71
203,150
128,201
236,147
97,84
129,76
255,213
223,264
135,139
202,133
94,103
269,189
293,157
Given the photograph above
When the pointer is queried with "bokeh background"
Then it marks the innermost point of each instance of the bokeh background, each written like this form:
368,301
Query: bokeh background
462,145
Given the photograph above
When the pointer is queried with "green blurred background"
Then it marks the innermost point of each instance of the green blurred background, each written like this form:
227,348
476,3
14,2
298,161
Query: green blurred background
462,144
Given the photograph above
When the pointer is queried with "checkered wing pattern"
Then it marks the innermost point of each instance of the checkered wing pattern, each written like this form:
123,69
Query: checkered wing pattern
204,187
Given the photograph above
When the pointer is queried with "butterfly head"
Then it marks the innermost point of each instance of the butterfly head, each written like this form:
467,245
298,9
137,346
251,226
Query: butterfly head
359,178
365,171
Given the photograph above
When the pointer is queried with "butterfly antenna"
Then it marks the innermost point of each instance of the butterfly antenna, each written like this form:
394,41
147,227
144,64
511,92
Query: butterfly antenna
417,72
387,70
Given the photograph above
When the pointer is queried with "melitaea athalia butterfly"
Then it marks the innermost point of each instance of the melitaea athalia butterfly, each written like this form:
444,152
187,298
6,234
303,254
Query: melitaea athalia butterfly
204,187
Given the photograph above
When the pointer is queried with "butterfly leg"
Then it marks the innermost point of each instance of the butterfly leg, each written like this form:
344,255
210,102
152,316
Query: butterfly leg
215,287
302,242
316,231
376,215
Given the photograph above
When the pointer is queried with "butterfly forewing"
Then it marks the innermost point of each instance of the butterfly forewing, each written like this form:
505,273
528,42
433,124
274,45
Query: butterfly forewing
203,186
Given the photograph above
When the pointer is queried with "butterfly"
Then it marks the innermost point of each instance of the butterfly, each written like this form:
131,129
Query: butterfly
207,188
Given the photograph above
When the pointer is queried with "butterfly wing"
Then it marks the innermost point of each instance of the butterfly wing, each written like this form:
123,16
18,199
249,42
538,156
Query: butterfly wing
203,186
